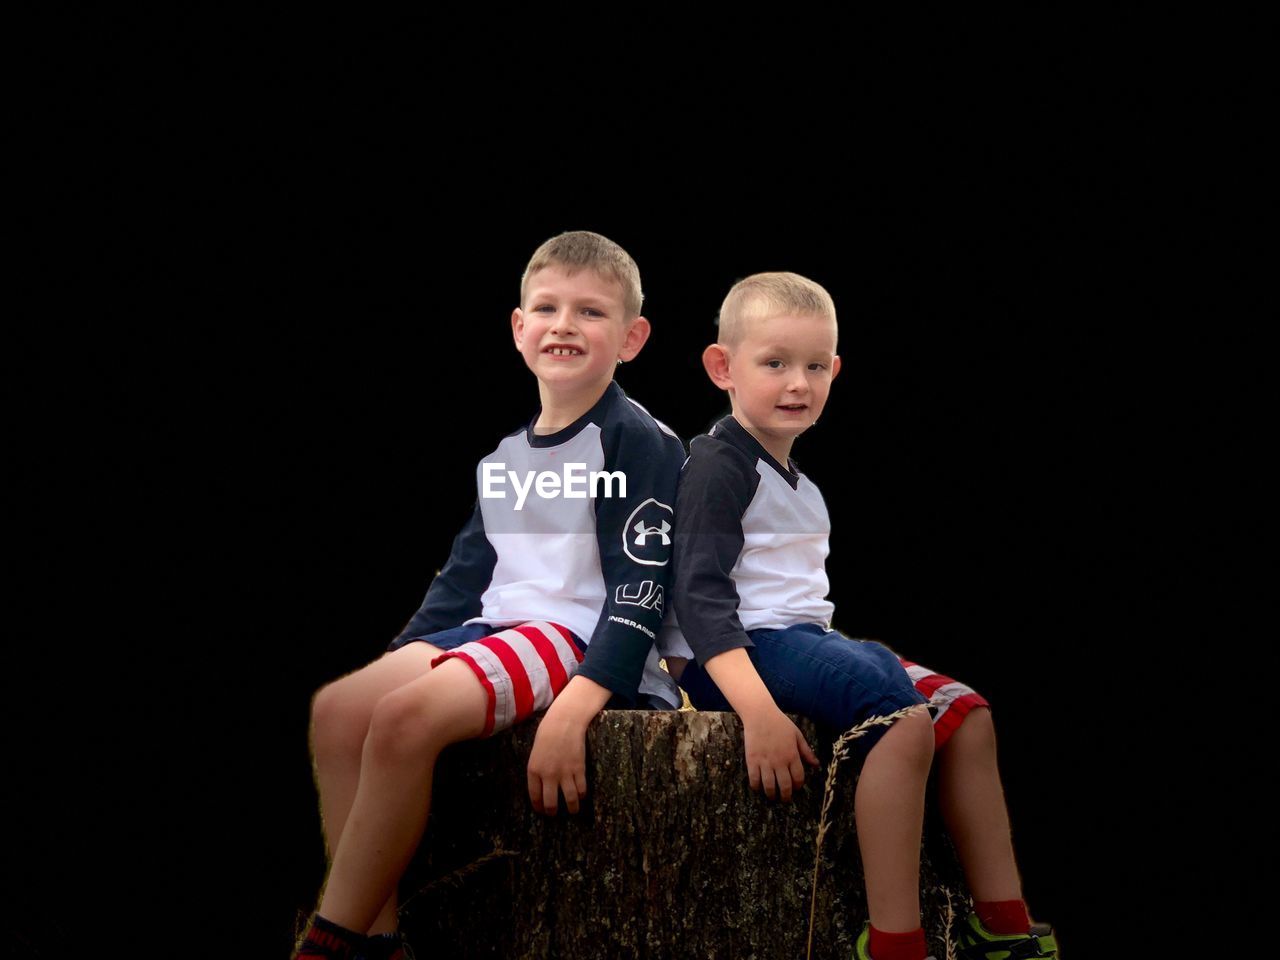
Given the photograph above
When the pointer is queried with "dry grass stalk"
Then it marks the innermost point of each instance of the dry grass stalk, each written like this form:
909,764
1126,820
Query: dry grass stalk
840,751
948,945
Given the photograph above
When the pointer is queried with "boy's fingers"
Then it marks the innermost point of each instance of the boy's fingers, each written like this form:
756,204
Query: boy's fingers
784,785
580,781
535,791
550,803
797,772
770,785
805,750
570,796
753,776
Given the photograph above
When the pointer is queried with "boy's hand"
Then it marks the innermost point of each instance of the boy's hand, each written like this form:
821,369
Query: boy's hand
558,762
774,745
774,748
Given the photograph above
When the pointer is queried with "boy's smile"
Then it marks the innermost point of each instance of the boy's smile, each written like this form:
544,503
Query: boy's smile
778,377
572,331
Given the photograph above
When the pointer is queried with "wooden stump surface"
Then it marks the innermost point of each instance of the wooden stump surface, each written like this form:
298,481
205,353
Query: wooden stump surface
671,856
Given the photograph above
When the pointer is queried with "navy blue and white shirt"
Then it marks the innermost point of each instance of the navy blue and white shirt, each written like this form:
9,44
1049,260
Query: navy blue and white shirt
751,544
540,546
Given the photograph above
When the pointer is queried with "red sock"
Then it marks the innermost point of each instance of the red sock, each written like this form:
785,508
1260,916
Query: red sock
897,946
328,940
1003,916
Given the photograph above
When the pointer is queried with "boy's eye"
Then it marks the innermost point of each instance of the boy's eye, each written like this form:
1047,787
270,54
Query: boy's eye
774,364
817,366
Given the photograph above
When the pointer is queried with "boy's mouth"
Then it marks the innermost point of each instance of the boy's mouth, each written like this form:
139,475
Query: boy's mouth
793,407
562,350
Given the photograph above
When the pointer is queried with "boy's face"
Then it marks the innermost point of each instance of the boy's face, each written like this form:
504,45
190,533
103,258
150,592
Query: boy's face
571,332
779,375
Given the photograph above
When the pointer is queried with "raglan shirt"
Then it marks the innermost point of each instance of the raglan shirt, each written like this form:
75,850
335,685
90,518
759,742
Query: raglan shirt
599,565
751,544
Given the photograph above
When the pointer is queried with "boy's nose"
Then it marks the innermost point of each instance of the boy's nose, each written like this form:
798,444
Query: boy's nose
563,321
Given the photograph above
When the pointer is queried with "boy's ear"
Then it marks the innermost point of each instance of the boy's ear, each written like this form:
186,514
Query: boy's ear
715,360
637,336
517,326
835,367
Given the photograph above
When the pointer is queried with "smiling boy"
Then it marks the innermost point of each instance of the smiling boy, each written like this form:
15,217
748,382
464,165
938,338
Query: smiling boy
549,600
751,541
750,594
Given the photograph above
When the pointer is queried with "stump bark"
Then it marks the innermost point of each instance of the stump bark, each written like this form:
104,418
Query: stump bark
672,855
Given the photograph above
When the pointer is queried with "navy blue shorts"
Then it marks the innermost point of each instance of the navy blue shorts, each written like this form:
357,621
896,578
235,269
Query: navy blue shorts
446,639
820,674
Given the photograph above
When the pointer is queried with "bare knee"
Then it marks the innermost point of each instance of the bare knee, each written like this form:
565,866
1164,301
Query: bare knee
339,721
910,740
403,728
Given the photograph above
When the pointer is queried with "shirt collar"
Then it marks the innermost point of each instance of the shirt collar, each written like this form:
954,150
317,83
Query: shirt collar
612,393
731,431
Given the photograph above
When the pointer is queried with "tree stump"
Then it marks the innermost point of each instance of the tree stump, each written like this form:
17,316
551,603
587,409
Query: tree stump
672,855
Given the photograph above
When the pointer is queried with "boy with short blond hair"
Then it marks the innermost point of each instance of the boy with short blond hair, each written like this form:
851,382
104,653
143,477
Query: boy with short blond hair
552,597
750,595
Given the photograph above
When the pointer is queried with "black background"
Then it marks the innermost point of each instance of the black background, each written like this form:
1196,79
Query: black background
273,341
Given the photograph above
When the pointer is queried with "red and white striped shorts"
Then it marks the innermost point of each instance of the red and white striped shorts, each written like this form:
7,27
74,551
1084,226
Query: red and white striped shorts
952,700
522,669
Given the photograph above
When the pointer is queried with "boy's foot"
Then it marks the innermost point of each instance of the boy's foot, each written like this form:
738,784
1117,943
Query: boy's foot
328,941
384,946
979,943
862,948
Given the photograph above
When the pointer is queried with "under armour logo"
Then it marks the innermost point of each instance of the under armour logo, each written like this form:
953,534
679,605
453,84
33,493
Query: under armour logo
645,594
644,535
644,531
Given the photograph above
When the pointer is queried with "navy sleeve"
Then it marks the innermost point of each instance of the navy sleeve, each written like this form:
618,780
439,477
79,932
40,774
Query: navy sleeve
634,537
454,594
716,487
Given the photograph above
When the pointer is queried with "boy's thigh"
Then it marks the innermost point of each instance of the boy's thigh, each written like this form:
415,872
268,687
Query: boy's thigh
826,676
521,668
402,664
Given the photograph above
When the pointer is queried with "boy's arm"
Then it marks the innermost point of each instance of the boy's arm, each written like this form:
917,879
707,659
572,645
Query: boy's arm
772,744
716,487
633,535
455,592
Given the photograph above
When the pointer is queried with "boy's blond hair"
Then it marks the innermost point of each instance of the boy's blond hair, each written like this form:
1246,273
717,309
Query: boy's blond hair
763,295
582,248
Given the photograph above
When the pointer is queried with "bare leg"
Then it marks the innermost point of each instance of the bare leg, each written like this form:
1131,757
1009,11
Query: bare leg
340,716
889,808
409,728
388,919
973,806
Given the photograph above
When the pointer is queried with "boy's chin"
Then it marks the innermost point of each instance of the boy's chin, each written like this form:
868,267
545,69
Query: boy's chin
569,381
793,428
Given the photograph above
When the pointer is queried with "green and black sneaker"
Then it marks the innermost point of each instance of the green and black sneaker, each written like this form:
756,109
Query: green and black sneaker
978,943
861,951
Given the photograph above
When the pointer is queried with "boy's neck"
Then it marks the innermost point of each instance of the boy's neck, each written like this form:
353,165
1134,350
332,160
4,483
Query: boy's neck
777,447
559,409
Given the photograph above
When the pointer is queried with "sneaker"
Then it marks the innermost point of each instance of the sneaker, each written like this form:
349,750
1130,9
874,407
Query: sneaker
978,943
861,949
385,946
